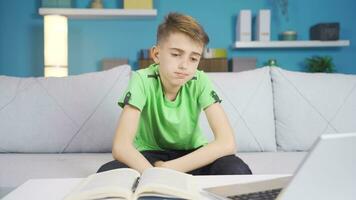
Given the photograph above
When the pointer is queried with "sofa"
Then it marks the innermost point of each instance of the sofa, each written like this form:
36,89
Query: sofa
63,127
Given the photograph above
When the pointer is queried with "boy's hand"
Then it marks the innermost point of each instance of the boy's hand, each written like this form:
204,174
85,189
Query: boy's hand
159,163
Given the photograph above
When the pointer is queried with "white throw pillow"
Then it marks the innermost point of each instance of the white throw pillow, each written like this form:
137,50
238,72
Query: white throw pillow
310,104
71,114
247,100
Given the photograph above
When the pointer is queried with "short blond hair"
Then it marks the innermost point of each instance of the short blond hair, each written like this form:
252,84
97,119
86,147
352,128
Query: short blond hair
176,22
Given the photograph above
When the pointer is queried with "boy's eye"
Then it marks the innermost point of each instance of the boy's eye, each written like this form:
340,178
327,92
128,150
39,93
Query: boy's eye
174,54
194,59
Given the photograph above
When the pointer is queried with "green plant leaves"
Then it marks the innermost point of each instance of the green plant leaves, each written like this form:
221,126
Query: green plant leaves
320,64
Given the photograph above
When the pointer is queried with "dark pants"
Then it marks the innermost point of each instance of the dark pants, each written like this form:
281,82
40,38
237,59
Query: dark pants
226,165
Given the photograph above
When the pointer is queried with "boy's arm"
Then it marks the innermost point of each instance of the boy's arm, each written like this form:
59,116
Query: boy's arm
223,144
123,149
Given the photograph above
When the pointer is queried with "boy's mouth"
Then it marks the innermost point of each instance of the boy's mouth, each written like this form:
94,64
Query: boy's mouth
181,75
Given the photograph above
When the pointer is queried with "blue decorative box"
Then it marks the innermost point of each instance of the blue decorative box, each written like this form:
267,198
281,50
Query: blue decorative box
325,31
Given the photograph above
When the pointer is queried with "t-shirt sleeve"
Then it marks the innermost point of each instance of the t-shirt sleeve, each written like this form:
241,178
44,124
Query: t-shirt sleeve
135,93
207,95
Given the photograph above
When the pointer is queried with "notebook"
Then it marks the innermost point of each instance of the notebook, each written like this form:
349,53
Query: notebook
327,172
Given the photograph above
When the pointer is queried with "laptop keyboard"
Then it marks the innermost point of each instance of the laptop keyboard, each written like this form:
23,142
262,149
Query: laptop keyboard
262,195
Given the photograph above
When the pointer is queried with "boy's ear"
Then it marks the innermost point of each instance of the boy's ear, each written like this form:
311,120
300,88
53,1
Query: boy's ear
155,54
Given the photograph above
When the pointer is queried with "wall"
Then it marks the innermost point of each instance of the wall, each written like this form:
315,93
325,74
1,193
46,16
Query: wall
21,33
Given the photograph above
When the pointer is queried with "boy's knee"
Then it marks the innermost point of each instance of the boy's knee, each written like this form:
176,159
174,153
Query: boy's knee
229,165
111,165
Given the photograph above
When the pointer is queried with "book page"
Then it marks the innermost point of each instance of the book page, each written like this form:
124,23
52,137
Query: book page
167,182
113,183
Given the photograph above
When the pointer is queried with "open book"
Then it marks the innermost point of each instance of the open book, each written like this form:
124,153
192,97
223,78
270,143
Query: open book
126,183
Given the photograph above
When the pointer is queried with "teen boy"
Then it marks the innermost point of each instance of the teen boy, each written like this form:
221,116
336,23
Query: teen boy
158,126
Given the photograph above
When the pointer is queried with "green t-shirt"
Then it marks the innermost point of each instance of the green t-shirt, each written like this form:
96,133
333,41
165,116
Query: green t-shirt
166,124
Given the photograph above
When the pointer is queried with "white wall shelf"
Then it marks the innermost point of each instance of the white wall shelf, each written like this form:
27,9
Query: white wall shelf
290,44
88,13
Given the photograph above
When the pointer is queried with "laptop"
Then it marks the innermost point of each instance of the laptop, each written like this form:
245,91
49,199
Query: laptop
327,172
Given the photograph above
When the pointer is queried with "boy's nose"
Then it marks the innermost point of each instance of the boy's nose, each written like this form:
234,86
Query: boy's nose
183,64
182,67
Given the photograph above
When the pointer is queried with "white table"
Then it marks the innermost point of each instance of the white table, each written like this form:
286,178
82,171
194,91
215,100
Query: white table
53,189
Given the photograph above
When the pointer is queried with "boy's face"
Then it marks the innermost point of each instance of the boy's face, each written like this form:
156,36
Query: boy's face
178,57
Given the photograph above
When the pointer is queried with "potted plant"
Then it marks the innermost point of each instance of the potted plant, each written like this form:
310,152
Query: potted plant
320,64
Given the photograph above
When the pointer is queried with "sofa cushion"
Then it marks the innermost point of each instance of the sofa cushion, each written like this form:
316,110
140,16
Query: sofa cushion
308,105
247,101
18,168
71,114
273,162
